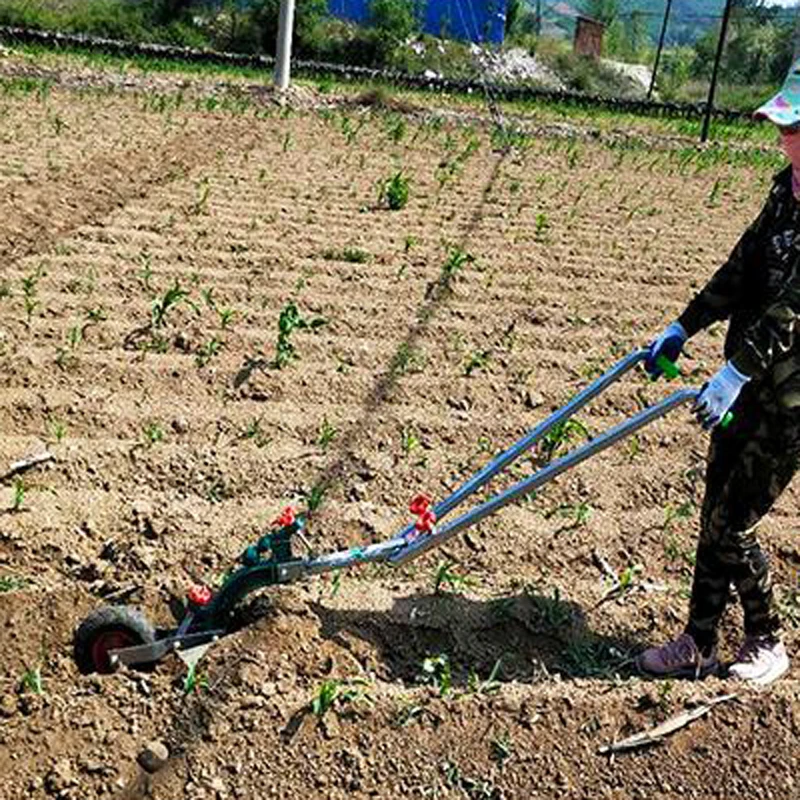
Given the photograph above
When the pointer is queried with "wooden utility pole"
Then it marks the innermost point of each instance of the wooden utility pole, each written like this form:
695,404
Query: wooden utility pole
715,74
283,52
660,48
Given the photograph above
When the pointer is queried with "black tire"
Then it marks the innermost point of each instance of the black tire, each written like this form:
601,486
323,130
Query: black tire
109,628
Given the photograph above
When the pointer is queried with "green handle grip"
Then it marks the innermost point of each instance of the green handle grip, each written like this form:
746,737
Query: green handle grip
726,420
667,367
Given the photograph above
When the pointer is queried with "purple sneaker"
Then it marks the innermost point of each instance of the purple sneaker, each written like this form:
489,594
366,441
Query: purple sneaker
679,659
760,660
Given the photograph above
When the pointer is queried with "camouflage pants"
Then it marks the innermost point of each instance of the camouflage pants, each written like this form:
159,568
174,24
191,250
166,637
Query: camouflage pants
749,466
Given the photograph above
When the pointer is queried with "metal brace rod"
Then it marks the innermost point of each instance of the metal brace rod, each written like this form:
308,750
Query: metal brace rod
500,462
422,544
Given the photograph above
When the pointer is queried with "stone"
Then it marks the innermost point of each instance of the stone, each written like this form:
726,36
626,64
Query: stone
153,757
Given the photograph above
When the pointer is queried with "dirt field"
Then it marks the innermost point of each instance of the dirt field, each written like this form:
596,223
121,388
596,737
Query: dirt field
510,279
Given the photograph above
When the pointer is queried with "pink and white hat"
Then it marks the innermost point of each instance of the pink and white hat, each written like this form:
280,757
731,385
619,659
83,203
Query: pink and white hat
784,108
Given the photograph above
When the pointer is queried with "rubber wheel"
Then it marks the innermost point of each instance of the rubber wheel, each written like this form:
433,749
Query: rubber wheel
109,628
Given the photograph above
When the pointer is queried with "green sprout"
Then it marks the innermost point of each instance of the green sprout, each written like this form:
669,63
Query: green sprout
170,299
446,576
289,321
394,191
327,433
436,672
18,496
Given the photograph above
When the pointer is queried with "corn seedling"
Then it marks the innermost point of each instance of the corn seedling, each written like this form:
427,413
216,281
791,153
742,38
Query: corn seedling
194,681
326,434
490,686
352,255
5,290
502,748
153,433
436,672
315,496
169,300
477,359
31,681
542,227
407,360
256,433
17,494
396,129
394,191
226,317
446,577
333,693
12,583
207,351
551,610
560,437
200,204
29,293
577,513
457,259
674,513
409,441
290,321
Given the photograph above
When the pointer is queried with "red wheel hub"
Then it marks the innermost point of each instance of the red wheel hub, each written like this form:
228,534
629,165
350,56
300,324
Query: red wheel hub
114,639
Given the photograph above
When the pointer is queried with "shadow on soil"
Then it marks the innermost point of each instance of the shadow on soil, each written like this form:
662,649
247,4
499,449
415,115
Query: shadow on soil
532,636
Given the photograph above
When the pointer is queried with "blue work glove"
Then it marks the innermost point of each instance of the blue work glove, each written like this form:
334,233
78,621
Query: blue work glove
718,395
669,344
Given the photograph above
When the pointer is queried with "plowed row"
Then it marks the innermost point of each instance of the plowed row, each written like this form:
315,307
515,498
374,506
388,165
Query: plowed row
175,445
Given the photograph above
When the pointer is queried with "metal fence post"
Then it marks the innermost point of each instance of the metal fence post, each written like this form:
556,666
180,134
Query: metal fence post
715,74
660,48
283,53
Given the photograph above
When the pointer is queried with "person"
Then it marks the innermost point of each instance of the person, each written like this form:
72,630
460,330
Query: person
752,459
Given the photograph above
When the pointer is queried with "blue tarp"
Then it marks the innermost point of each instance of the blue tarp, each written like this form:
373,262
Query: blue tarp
473,20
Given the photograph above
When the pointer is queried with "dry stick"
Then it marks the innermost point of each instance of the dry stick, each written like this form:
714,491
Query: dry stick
660,732
28,462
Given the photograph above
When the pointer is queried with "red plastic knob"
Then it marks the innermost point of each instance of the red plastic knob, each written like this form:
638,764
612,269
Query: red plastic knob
425,522
285,519
419,504
199,595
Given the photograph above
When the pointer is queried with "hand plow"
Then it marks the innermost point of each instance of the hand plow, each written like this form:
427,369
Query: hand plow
114,635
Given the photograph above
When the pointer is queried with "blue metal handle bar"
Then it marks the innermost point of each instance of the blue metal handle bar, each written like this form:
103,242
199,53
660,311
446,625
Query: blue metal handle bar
500,462
398,551
422,544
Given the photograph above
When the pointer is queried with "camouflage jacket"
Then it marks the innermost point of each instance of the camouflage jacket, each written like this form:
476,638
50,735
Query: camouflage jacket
758,289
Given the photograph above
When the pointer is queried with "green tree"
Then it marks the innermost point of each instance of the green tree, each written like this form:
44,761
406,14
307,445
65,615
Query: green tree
263,24
393,20
605,11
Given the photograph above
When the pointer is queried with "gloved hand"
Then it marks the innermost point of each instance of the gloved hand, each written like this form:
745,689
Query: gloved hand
718,395
669,344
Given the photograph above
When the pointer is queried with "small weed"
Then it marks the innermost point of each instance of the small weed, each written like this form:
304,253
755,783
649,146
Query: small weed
153,433
674,513
18,494
445,576
436,672
490,686
409,243
326,434
394,191
552,610
352,255
31,681
577,513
